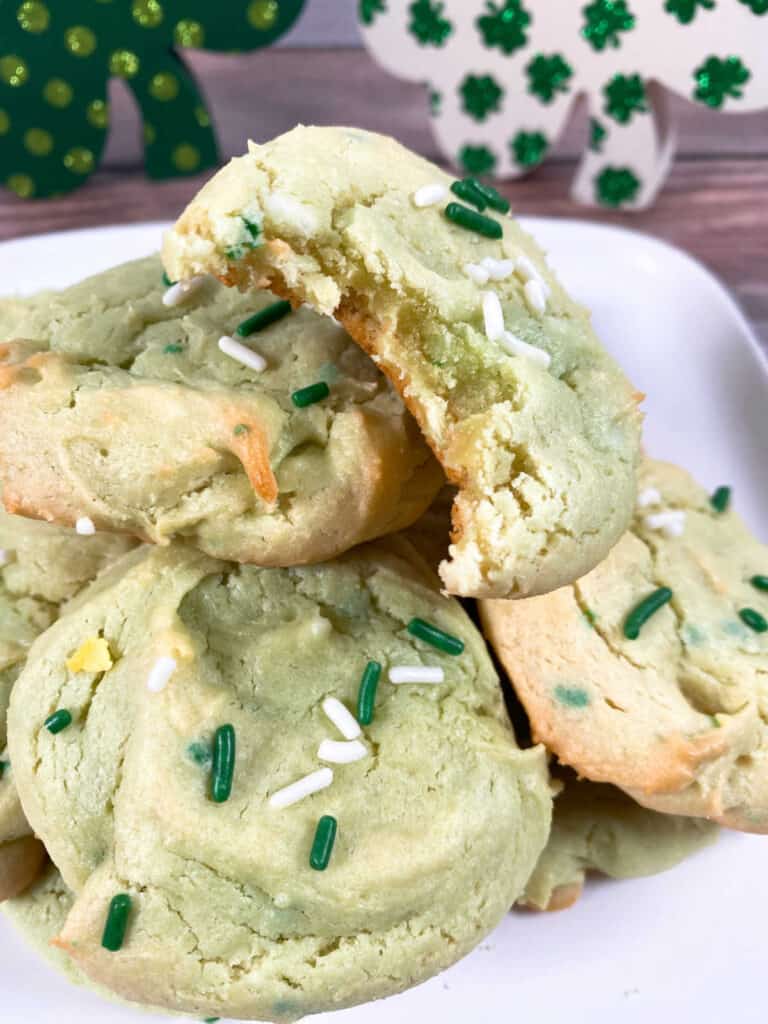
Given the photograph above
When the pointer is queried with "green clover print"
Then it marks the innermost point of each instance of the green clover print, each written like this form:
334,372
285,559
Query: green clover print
56,58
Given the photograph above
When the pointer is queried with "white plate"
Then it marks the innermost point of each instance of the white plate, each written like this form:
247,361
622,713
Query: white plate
681,946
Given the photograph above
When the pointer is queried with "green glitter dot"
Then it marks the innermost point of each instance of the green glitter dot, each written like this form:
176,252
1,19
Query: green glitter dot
13,70
147,13
22,185
97,113
548,76
79,160
504,25
262,14
572,696
33,17
58,93
186,157
685,10
164,86
150,135
368,9
720,79
5,123
189,33
625,97
605,19
124,64
597,135
80,41
202,117
38,142
477,159
615,186
529,148
481,95
427,23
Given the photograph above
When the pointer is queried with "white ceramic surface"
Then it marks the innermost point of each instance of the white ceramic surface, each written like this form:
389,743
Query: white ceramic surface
687,945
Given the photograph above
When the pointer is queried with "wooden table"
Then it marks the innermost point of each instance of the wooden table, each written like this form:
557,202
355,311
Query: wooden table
715,203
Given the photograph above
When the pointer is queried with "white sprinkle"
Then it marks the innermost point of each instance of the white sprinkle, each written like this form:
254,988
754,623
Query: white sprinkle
535,296
182,290
671,523
5,557
526,270
477,273
497,270
320,626
306,786
160,673
341,751
517,347
342,718
428,195
493,316
650,496
286,209
242,354
416,674
84,526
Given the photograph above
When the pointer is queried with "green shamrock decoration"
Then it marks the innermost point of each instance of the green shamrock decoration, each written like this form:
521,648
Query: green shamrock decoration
718,79
428,24
480,95
597,135
615,186
369,9
756,6
624,97
548,76
504,26
529,148
604,20
476,159
56,60
685,10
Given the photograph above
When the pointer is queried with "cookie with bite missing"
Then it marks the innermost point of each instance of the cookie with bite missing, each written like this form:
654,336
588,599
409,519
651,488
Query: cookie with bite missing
280,444
294,790
530,418
649,673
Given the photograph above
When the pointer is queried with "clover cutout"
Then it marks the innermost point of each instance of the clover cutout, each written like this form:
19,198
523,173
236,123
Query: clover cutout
503,76
57,57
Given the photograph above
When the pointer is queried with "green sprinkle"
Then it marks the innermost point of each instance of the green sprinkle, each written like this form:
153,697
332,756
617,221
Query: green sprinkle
759,582
366,697
466,190
590,616
643,611
437,637
199,752
173,349
721,499
3,766
241,428
223,769
58,720
251,227
167,281
715,722
753,619
311,394
322,846
269,315
473,221
210,1020
494,199
572,696
117,922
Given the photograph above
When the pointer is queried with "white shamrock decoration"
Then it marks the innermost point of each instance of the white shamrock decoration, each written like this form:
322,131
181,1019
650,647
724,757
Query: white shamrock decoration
503,76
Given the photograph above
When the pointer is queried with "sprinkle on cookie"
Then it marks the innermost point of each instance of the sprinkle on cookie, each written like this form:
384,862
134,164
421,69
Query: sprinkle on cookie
91,656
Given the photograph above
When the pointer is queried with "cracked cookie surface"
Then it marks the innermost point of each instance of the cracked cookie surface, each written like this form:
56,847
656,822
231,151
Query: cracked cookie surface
439,825
677,717
120,408
544,456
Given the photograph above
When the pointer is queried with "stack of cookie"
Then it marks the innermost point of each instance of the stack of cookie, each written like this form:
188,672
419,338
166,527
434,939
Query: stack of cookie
260,763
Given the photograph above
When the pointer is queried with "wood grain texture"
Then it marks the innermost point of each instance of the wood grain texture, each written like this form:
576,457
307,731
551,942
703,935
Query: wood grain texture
715,203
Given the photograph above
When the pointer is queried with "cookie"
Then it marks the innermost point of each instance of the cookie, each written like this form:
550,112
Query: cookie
269,858
38,914
122,409
41,566
649,672
598,828
530,418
